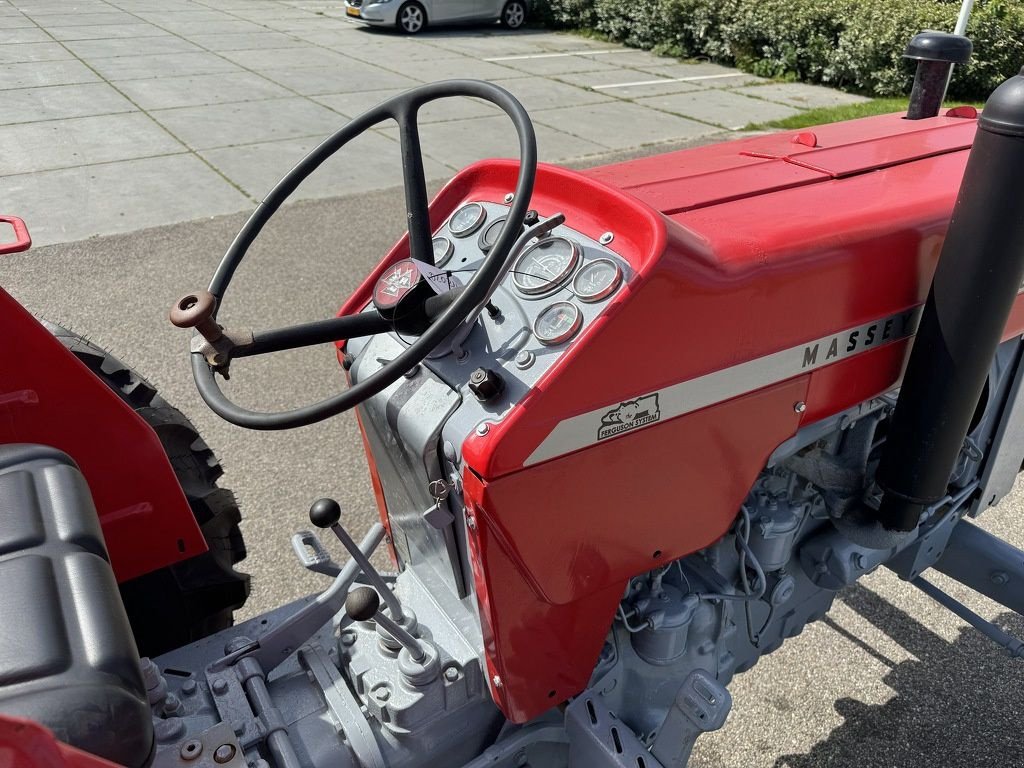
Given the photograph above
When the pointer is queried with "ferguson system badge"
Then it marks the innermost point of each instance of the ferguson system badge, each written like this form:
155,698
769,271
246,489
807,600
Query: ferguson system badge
629,415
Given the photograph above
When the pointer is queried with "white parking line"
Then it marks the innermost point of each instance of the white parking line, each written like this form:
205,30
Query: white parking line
666,80
558,55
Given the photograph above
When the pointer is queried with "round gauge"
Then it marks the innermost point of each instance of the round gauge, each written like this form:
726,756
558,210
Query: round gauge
467,219
490,234
597,280
443,249
545,265
557,323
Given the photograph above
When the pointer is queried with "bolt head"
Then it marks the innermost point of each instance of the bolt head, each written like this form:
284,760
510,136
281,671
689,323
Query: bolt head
1000,578
382,693
451,674
220,686
510,197
606,238
482,429
224,753
800,406
497,681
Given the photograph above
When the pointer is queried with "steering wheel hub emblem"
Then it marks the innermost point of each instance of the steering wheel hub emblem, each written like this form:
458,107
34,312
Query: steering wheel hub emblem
395,284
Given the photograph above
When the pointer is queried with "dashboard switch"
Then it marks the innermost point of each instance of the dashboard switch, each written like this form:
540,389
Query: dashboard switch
485,384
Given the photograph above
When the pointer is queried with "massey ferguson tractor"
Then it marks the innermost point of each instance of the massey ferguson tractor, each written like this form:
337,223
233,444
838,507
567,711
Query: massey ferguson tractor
629,429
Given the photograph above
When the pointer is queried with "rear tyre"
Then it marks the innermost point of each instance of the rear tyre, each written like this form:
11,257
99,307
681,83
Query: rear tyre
412,18
189,600
513,15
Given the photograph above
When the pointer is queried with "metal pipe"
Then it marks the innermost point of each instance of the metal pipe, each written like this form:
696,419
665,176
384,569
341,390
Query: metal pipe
974,288
960,29
1011,644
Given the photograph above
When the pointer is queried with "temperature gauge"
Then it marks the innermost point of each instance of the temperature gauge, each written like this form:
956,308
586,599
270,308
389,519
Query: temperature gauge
467,219
557,323
597,280
443,250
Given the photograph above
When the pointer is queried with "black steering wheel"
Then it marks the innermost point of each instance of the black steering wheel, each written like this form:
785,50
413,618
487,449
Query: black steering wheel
213,350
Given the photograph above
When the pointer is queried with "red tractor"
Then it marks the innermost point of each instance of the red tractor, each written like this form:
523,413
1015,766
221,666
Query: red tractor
628,428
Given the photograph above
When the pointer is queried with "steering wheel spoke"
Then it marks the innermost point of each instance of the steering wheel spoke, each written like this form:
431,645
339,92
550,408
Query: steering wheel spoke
442,317
416,208
317,332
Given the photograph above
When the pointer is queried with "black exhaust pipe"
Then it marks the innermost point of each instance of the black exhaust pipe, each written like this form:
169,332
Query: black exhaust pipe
935,54
976,282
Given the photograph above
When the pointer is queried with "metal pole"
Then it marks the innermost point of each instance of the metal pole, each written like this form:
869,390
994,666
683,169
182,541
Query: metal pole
960,29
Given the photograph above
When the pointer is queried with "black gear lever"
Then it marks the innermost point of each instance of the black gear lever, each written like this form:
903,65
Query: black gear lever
363,604
326,513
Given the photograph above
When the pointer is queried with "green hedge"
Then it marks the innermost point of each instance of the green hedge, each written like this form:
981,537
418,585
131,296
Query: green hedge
851,44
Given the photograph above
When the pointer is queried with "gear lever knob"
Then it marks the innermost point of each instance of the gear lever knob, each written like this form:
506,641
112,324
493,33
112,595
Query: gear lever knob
362,604
324,513
195,310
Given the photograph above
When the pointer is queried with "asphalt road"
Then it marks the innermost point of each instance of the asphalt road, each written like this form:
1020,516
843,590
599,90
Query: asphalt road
887,679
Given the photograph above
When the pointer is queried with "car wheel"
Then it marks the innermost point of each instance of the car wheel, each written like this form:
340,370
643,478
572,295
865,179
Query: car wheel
513,15
412,18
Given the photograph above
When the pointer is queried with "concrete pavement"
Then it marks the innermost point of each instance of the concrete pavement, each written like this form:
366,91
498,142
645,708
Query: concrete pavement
123,114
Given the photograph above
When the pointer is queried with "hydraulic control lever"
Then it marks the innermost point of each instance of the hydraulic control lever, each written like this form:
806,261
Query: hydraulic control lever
326,513
363,604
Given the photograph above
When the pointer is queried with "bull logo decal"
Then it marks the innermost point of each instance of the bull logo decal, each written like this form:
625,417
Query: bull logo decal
631,414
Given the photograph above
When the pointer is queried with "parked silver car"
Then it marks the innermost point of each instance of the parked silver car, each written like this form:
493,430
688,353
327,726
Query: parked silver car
411,16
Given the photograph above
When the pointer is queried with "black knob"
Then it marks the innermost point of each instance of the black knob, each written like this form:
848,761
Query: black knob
324,513
531,218
485,384
362,604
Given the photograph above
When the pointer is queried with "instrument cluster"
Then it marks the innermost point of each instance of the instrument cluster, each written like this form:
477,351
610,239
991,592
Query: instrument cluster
566,268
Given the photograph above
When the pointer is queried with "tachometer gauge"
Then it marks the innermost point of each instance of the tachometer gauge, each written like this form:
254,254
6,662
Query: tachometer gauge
443,250
557,323
597,280
467,219
545,265
490,235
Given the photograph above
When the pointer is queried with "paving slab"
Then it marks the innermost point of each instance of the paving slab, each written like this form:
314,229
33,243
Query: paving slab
354,104
223,125
110,32
620,83
52,144
28,34
725,108
16,21
557,65
200,90
76,19
246,41
76,203
97,50
28,52
372,161
461,142
162,65
211,27
620,125
801,95
354,76
286,58
537,93
30,74
427,71
29,105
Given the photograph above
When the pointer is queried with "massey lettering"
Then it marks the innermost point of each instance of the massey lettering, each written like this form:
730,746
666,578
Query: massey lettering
859,339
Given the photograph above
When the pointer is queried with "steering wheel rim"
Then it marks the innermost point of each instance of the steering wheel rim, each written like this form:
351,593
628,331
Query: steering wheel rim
403,109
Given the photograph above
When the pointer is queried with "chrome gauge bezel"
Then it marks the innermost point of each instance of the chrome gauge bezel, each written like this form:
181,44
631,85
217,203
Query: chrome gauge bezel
555,283
440,261
551,341
605,292
477,223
